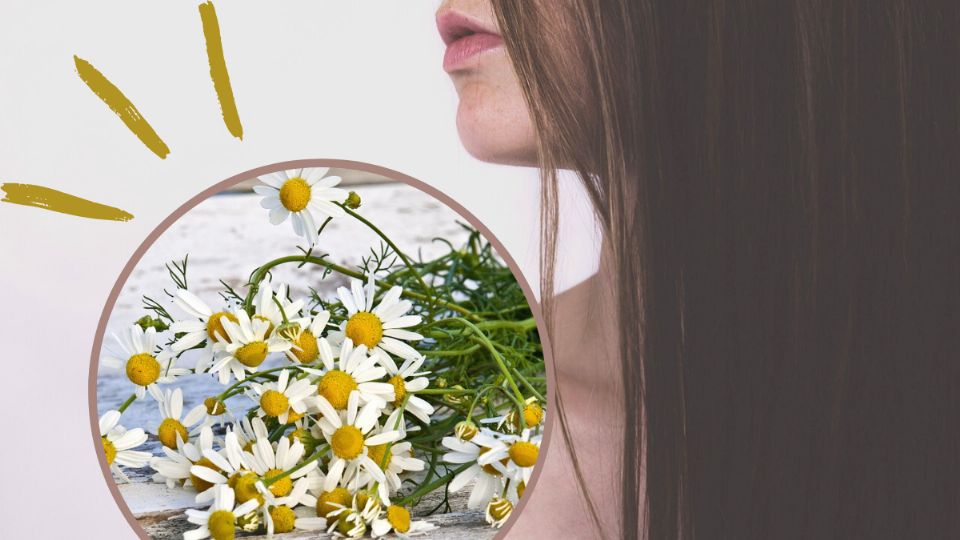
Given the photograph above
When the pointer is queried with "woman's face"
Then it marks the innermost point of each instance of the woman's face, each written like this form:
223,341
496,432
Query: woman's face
492,117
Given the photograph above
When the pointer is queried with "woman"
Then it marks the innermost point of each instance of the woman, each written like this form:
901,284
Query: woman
777,184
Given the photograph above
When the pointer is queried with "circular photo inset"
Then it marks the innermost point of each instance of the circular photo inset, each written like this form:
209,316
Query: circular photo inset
313,351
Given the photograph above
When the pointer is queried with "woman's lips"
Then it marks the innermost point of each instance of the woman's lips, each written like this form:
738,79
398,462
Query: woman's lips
465,38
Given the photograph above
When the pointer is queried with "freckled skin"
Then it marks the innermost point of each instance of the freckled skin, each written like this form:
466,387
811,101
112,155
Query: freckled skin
492,117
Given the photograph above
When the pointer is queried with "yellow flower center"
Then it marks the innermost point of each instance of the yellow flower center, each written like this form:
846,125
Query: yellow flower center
377,453
399,518
305,349
199,483
143,369
532,416
336,386
274,403
365,328
295,194
282,487
269,323
283,518
245,487
399,389
168,431
109,449
489,468
524,454
499,509
215,325
222,525
214,406
293,416
252,354
361,500
327,500
347,442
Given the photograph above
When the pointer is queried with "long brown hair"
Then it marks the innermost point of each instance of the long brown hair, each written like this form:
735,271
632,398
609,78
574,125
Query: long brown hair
779,186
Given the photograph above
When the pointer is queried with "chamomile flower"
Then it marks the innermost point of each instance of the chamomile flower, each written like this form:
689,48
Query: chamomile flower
204,325
407,382
350,439
381,327
488,477
248,347
396,460
308,342
328,504
220,520
342,514
267,308
303,523
304,196
356,371
173,430
279,512
145,367
521,452
217,468
396,519
284,400
175,465
119,443
268,462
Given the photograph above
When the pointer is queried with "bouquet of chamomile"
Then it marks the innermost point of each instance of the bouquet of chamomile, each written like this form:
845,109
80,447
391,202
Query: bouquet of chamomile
337,413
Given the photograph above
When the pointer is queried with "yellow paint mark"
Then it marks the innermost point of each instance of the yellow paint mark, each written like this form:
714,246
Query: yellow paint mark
123,107
218,69
58,201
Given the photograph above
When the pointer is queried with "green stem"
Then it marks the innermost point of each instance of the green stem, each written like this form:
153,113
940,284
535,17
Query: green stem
282,312
258,275
485,341
461,352
529,386
389,242
131,399
248,378
524,326
444,391
424,489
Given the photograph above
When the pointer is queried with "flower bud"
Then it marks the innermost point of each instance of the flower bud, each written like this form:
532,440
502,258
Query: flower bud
353,201
466,430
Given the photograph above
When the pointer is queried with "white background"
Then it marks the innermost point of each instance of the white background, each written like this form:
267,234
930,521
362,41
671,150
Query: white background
321,79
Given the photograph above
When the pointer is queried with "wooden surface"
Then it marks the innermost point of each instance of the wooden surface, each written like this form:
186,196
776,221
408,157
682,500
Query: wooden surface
159,510
227,237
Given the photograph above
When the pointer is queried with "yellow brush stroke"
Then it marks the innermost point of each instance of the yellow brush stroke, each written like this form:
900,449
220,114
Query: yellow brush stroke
58,201
218,69
118,103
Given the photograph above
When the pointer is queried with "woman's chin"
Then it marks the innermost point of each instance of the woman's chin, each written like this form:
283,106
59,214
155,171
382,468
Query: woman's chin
496,134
